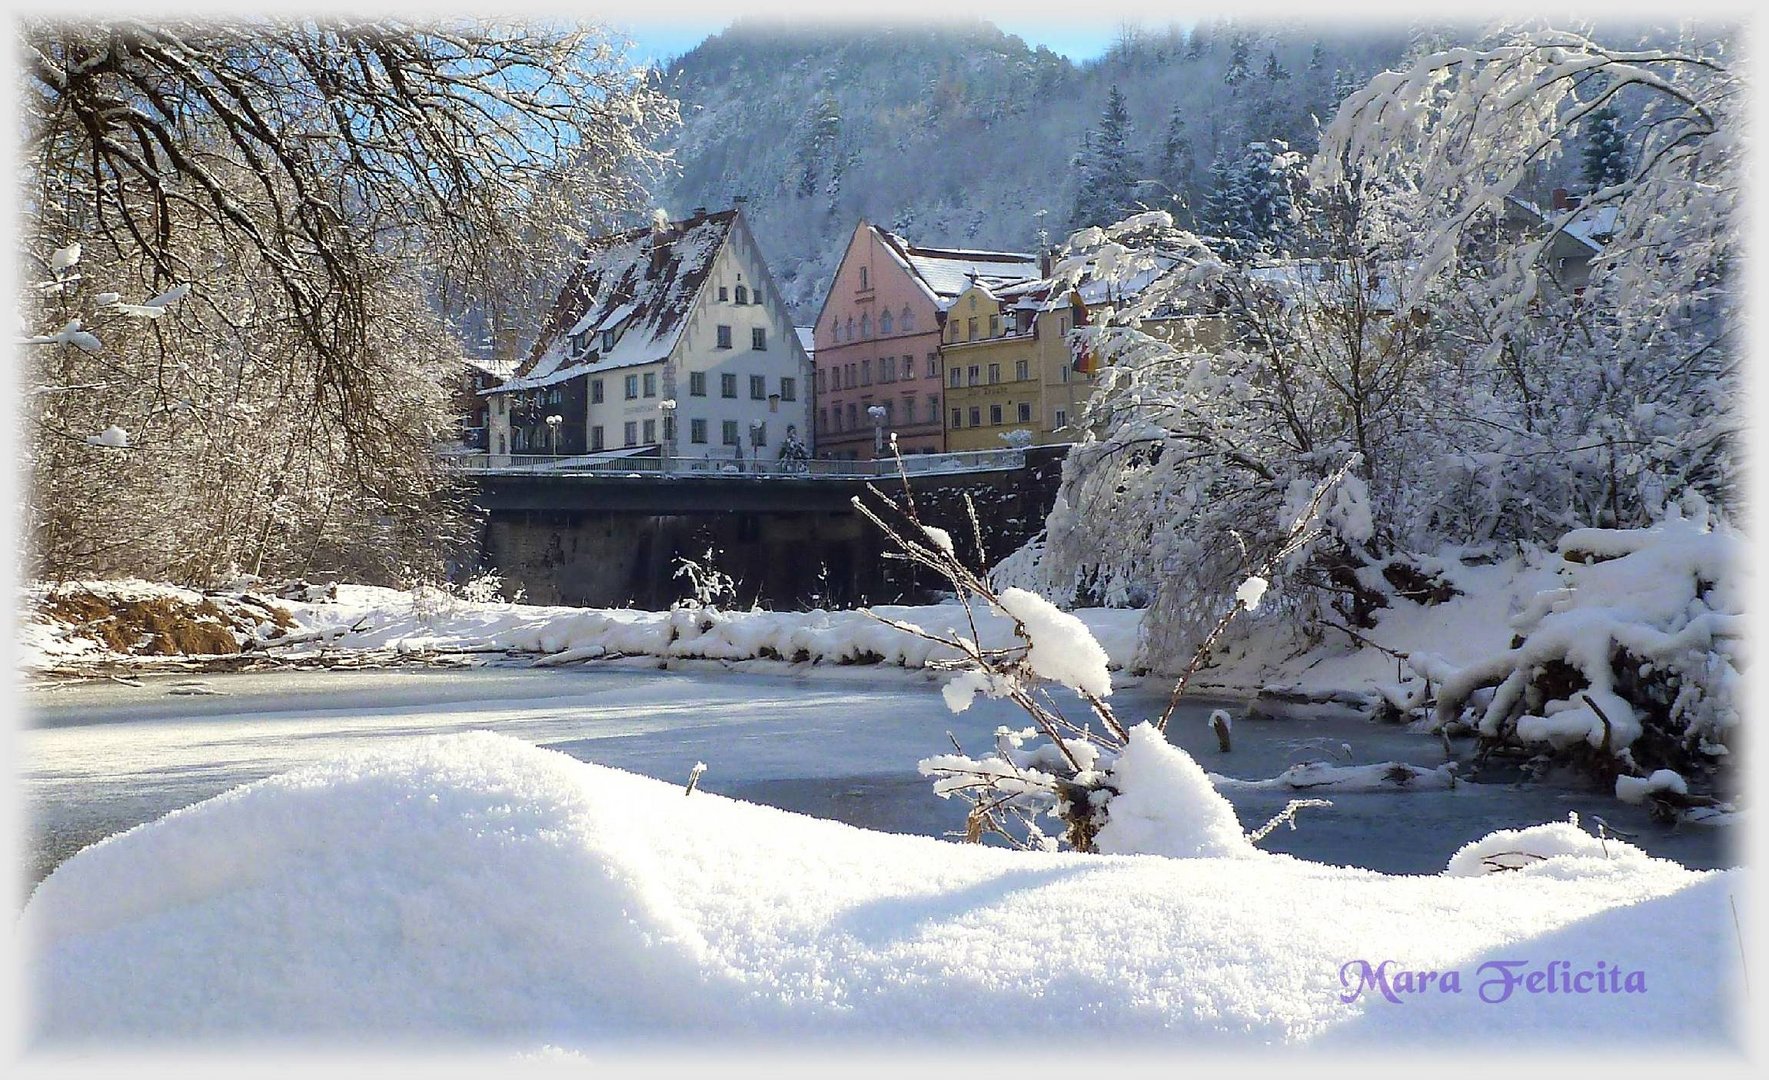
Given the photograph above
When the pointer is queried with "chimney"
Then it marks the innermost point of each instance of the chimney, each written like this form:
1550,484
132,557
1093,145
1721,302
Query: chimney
660,243
1563,200
700,211
504,342
1044,263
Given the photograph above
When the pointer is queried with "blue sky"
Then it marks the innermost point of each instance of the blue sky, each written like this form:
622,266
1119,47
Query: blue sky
657,40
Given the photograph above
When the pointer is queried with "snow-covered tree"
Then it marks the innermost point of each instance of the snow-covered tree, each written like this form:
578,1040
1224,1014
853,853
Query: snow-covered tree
1606,151
322,187
1106,187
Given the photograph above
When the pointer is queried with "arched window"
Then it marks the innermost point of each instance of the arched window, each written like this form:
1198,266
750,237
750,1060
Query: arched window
742,292
908,319
884,323
850,328
865,327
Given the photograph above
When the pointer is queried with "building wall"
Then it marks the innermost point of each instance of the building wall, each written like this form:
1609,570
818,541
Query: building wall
869,283
1052,390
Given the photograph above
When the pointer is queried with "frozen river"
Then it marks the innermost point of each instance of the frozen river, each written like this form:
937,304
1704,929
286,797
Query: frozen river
840,743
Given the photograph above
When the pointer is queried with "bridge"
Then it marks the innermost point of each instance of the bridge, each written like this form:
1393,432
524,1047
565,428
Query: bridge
605,530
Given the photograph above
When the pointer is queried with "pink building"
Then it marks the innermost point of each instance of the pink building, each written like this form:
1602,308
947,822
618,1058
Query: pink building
877,341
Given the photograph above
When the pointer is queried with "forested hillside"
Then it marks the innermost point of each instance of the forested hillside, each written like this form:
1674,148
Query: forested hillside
959,134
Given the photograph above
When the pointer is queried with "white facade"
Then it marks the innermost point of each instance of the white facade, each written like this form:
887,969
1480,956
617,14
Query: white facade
733,409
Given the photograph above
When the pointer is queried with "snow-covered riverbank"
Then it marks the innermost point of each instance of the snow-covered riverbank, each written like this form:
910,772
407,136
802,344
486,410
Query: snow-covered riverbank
471,889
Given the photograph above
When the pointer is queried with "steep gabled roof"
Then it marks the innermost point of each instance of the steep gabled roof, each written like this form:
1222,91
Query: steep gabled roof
943,273
616,286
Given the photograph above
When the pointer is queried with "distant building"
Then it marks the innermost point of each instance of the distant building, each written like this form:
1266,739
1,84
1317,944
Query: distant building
877,341
471,405
669,340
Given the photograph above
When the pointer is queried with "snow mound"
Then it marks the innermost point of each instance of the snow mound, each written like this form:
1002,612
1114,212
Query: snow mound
1062,649
1166,805
475,889
1520,849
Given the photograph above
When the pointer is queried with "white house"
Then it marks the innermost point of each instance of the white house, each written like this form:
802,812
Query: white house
670,339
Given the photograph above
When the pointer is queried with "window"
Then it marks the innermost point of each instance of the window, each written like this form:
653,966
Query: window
884,323
607,340
908,320
887,369
1062,418
632,387
728,433
651,384
954,377
1025,412
742,295
724,336
933,365
850,328
697,384
596,442
758,339
697,431
994,374
822,419
974,374
727,385
816,383
499,402
994,326
724,294
853,416
865,373
596,392
951,330
995,415
650,431
976,416
1021,369
864,284
957,418
632,433
789,388
849,379
758,433
933,406
835,378
970,328
758,388
909,408
865,326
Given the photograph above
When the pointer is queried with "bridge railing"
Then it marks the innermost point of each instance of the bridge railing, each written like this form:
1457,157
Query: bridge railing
663,467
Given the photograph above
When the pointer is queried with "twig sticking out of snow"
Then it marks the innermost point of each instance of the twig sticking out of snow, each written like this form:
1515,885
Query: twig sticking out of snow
694,775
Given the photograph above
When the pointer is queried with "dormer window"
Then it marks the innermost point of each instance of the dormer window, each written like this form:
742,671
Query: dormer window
608,337
742,295
724,294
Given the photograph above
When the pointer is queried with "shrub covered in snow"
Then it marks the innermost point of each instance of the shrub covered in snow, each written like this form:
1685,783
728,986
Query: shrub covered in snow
1631,666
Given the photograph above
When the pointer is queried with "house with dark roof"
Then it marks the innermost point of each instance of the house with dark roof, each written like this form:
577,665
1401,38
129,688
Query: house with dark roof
670,340
877,340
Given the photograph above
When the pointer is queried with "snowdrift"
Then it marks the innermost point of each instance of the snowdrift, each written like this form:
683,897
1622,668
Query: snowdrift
475,889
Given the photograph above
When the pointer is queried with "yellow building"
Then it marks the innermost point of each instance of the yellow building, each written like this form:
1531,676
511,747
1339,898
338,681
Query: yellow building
1009,369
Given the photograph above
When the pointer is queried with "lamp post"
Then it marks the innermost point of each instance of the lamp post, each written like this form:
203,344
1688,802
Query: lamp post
878,414
755,440
667,407
553,423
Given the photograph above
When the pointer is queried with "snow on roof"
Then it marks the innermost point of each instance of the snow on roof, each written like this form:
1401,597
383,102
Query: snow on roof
616,283
499,369
1593,227
943,273
806,339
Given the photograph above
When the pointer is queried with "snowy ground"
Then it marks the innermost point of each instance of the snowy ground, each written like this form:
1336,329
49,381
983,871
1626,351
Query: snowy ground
475,890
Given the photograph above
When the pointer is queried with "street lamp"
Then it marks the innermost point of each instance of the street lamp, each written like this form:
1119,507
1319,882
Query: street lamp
668,408
553,423
878,414
755,440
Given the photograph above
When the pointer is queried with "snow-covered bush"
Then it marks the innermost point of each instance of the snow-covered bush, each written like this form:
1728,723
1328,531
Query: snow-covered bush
1630,667
1110,786
1520,849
